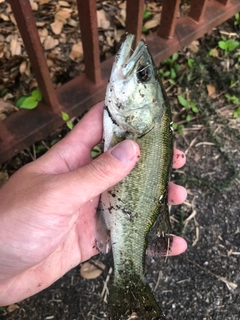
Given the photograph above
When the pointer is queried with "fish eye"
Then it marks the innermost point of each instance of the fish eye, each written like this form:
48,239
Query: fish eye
144,73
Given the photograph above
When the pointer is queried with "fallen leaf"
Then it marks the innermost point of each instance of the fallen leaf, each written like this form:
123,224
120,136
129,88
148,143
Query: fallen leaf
15,47
57,26
72,23
77,51
214,52
211,90
92,270
43,33
4,17
151,24
23,67
12,307
43,1
34,5
50,43
63,14
196,157
194,46
103,23
64,3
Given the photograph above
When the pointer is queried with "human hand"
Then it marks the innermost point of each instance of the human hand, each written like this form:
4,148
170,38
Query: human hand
48,208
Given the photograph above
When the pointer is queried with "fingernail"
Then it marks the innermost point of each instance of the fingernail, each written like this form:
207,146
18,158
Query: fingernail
124,151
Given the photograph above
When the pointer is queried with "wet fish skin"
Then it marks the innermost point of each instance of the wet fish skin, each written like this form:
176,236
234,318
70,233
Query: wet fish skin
136,107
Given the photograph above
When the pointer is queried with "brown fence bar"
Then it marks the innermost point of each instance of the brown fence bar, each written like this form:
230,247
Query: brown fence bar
87,12
134,18
197,8
168,18
26,24
25,127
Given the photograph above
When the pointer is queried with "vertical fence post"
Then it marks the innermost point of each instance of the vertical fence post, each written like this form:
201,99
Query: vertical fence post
87,12
26,24
197,9
134,18
168,18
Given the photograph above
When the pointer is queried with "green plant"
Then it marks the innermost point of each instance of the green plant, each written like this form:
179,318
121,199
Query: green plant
146,15
178,127
190,63
172,66
31,101
237,19
96,151
68,121
189,106
228,45
235,100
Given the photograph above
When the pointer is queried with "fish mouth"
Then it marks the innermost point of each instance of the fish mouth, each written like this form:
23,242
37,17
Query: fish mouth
127,58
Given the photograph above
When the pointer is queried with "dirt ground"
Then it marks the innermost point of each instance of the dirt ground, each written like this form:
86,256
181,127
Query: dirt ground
204,282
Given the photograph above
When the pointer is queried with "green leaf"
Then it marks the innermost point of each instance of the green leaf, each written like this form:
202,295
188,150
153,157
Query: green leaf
174,125
188,118
175,56
29,103
166,74
194,107
223,45
177,67
191,63
4,92
233,45
36,94
183,101
65,116
70,124
20,101
173,73
180,128
144,29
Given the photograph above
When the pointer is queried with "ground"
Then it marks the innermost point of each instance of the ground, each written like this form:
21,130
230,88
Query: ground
204,282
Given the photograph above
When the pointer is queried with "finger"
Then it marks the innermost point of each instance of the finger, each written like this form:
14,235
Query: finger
103,172
179,245
179,159
176,194
74,150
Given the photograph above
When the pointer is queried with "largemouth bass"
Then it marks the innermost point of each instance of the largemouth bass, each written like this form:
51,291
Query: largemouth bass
136,107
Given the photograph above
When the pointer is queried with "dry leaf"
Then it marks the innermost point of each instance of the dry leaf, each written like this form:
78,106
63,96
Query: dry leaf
23,67
196,157
43,1
214,52
64,3
72,23
194,46
63,14
151,24
3,176
12,307
50,43
15,47
77,51
91,271
211,90
34,5
4,17
12,18
103,23
43,33
57,26
2,46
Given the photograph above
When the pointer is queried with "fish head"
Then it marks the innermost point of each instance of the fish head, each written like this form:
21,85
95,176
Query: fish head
134,98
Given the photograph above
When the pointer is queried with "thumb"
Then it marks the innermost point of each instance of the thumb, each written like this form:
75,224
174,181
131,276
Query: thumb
104,171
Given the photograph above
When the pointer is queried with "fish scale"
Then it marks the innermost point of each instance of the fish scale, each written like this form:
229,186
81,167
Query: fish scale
131,207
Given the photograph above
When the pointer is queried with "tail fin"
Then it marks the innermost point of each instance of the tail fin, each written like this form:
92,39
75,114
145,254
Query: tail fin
135,301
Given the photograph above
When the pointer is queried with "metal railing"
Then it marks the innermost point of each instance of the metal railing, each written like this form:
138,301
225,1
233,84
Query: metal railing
25,127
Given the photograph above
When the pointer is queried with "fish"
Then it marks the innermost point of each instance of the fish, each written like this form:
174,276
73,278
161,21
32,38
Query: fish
137,108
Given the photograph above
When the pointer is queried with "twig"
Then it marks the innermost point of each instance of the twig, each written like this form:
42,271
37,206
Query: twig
229,284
